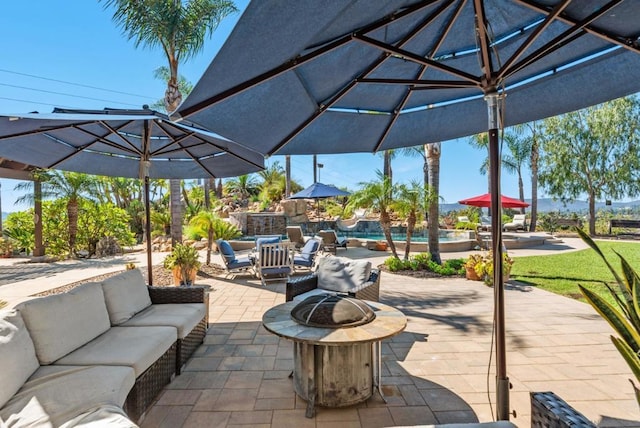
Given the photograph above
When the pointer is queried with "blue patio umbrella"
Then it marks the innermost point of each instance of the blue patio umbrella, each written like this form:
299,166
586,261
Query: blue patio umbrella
123,143
314,77
319,191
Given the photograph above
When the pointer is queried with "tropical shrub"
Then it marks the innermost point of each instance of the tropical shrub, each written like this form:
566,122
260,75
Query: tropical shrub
185,259
19,227
625,318
484,266
423,262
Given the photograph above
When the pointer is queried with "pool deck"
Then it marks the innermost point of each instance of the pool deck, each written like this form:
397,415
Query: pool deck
439,370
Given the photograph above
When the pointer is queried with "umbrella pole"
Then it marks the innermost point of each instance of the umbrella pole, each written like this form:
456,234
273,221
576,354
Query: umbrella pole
502,380
147,227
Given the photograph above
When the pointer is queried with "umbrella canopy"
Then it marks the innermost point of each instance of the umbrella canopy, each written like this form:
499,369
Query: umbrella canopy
356,76
123,143
484,201
319,191
112,142
360,76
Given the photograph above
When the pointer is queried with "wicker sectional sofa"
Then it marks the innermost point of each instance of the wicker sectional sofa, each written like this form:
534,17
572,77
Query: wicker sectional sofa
97,355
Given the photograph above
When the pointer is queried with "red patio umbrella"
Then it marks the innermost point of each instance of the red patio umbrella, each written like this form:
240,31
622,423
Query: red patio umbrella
484,201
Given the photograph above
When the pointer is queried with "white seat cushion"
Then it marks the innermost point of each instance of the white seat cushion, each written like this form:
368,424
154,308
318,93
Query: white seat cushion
17,354
61,323
126,294
101,417
137,347
343,275
57,394
183,316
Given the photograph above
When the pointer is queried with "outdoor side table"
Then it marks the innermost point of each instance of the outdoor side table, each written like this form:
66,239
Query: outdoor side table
336,367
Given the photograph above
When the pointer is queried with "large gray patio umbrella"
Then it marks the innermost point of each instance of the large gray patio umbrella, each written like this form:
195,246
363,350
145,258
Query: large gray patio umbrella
335,76
123,143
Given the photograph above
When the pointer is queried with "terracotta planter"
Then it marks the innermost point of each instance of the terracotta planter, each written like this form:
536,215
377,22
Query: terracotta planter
472,275
177,277
381,246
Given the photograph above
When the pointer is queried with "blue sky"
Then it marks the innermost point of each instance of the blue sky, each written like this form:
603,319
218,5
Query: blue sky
64,53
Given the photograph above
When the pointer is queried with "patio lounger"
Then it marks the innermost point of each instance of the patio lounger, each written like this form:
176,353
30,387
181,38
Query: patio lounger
331,242
518,223
294,233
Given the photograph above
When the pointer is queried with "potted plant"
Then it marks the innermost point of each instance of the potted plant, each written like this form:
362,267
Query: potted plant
183,261
6,247
485,268
470,266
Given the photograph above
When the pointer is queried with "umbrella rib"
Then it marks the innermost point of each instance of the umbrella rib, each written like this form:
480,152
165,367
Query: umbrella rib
563,39
323,107
485,44
202,142
532,38
298,61
421,84
417,58
616,39
423,69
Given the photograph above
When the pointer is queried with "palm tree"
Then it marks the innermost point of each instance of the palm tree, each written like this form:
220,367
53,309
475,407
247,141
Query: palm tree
433,156
409,203
520,149
179,28
70,186
378,195
206,221
244,185
532,140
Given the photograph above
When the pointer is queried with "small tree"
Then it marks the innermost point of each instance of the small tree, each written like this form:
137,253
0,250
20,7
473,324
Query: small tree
595,151
377,195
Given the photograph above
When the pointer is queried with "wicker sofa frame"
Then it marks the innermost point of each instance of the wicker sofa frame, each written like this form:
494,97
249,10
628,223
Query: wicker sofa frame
187,346
150,383
303,284
550,411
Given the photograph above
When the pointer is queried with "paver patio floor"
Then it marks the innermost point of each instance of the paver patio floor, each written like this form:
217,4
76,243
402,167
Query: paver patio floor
437,371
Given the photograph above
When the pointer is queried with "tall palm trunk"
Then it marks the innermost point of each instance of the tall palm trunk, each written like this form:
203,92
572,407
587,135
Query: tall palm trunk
520,189
535,155
387,171
385,224
411,224
433,155
72,217
287,169
176,212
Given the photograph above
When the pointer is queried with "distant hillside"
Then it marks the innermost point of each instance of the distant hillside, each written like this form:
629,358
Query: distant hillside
4,215
548,204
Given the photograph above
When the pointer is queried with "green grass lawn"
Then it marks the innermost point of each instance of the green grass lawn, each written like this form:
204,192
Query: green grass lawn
561,273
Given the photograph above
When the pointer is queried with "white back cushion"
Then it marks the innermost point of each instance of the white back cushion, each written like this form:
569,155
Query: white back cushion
126,294
342,274
61,323
17,354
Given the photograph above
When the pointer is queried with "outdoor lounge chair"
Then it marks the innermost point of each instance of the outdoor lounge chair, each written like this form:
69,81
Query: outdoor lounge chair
274,261
294,233
518,223
232,263
485,223
307,256
331,242
463,219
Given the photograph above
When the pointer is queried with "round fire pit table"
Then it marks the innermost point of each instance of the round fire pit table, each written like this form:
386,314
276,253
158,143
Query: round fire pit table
335,366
